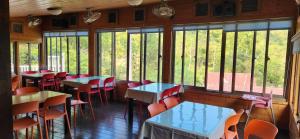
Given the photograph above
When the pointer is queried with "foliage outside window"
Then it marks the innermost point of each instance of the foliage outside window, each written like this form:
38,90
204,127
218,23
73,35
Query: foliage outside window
29,57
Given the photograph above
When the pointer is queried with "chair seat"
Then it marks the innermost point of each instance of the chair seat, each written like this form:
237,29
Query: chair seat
108,88
77,102
23,123
51,114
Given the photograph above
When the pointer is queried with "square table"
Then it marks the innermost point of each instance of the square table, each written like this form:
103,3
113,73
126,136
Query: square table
188,120
35,77
74,83
149,93
41,98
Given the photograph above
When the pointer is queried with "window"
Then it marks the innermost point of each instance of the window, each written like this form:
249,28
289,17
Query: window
232,57
67,51
29,57
12,58
133,54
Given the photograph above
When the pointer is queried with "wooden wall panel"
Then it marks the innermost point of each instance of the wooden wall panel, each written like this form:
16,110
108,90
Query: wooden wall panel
29,34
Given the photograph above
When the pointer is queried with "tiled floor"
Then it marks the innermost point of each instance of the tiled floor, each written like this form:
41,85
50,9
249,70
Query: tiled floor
109,124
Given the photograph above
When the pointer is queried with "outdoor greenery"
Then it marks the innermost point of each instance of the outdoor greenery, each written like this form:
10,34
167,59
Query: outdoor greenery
29,57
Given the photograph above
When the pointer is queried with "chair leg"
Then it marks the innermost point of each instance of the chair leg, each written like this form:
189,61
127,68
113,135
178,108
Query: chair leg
80,106
32,132
91,107
68,122
106,97
74,117
46,128
126,108
26,133
16,135
248,114
40,130
100,97
273,116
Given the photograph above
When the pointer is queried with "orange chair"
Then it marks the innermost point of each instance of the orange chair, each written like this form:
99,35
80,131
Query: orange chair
58,78
26,90
170,102
232,121
108,86
15,83
95,84
48,80
26,122
84,88
144,82
261,129
156,108
51,112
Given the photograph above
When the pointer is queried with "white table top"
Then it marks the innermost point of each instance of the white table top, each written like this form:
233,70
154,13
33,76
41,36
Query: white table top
153,87
83,80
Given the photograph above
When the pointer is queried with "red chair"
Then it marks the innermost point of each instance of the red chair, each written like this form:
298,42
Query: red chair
174,91
95,84
232,121
156,108
71,77
26,122
108,86
58,78
46,71
48,80
260,129
26,90
170,102
85,88
51,111
84,75
144,82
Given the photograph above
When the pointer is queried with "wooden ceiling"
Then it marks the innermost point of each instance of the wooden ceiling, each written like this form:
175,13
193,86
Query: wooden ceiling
20,8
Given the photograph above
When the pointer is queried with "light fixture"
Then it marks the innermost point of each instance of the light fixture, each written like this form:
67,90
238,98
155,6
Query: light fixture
135,2
91,16
163,10
55,10
298,2
34,21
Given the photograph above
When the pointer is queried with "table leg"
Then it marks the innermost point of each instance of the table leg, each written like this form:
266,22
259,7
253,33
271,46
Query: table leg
23,81
68,105
130,112
36,82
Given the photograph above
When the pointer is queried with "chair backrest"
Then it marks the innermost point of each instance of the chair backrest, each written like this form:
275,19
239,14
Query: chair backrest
72,77
15,83
26,90
61,75
48,76
94,82
176,89
109,80
84,75
46,71
133,84
144,82
30,72
156,108
261,129
170,102
55,101
232,121
166,93
24,108
83,88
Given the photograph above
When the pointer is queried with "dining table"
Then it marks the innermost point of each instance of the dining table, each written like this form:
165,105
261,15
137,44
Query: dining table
188,120
35,77
41,97
149,93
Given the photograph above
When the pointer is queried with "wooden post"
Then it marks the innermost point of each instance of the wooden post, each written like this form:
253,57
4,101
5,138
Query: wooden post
5,73
167,54
92,52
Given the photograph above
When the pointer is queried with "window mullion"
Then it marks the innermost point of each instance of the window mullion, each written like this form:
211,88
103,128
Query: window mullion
29,55
78,54
159,56
236,34
223,49
253,62
196,57
68,56
266,59
114,54
145,55
206,57
183,57
128,56
56,54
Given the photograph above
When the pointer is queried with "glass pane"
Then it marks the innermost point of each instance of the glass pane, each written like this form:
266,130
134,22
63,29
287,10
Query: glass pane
72,55
121,55
134,60
106,53
161,56
276,64
24,57
64,53
244,61
54,53
189,57
201,58
49,53
84,54
178,57
214,59
228,61
152,56
34,57
12,65
260,51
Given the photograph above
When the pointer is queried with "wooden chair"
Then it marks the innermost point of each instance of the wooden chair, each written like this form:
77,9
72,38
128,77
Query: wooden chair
108,86
26,90
261,129
95,88
144,82
170,102
85,88
232,121
156,108
26,122
15,84
51,112
48,80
